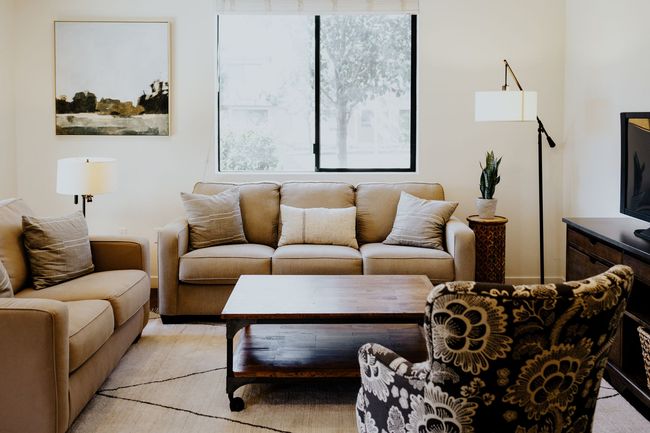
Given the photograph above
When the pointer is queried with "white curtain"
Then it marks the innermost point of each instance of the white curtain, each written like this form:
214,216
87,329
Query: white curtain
316,6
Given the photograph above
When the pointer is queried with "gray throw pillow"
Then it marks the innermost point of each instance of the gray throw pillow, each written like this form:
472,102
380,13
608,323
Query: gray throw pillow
58,248
214,219
419,222
5,283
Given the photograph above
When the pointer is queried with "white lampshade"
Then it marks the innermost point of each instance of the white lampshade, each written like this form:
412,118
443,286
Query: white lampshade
518,106
86,176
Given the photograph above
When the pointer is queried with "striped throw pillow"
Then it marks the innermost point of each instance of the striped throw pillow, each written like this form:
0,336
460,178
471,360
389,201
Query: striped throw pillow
214,219
5,283
419,222
58,248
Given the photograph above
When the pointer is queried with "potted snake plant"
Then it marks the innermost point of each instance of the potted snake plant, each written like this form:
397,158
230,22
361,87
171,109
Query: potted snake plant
487,204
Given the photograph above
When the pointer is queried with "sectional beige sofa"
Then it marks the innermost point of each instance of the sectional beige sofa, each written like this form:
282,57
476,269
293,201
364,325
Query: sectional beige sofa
198,282
58,344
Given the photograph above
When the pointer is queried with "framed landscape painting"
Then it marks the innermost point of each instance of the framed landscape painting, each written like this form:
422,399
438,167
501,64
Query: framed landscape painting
112,77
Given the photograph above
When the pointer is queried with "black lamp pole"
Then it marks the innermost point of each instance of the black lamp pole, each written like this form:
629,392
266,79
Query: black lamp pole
540,130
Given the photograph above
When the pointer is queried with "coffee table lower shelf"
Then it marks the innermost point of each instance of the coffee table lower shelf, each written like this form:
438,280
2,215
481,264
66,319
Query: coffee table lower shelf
286,352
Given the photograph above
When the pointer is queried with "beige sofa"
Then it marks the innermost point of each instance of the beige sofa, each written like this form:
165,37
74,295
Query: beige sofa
198,282
58,344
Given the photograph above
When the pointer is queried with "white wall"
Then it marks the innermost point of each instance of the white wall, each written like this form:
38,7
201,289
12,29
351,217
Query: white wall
461,47
7,118
607,72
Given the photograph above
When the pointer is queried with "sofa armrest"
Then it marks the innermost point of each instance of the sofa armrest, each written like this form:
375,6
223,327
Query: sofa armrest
34,365
173,242
120,252
460,244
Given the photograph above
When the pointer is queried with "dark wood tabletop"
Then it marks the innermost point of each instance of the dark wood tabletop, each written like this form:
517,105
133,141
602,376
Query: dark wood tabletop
328,297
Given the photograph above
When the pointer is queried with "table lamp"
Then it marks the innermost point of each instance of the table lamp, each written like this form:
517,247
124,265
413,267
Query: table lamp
85,177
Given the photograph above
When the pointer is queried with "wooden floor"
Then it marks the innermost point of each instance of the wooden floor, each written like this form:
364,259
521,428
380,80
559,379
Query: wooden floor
319,350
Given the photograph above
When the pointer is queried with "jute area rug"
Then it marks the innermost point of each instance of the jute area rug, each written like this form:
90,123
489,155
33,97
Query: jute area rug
173,380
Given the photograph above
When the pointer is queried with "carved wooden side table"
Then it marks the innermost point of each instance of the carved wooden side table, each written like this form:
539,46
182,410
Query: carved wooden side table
490,248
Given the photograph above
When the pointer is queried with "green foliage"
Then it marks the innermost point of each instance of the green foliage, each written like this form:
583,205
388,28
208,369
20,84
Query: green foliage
247,151
489,175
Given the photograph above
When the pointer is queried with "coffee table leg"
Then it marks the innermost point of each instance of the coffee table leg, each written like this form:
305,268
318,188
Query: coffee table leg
236,403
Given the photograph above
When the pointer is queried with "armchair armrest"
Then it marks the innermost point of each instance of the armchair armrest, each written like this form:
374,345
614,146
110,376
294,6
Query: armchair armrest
371,353
173,242
120,252
34,365
460,244
389,383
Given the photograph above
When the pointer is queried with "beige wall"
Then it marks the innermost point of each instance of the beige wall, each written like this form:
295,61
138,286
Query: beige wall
7,118
607,72
461,47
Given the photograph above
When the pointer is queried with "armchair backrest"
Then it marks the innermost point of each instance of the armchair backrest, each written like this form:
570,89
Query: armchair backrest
523,358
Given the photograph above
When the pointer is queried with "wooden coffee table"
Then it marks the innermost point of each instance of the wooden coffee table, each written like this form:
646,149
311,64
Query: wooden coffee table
296,327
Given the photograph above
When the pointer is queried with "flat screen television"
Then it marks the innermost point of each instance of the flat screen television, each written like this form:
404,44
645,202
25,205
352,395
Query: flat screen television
635,168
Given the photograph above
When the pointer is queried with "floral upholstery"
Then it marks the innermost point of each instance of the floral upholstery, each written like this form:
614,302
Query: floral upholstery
522,359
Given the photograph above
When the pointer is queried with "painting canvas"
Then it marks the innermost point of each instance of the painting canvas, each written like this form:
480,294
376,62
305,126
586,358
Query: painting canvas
112,78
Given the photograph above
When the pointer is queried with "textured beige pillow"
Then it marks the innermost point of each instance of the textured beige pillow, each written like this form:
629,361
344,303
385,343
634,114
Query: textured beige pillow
214,219
58,248
5,283
318,226
420,223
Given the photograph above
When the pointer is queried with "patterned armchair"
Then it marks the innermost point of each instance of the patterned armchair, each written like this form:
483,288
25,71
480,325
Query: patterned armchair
522,359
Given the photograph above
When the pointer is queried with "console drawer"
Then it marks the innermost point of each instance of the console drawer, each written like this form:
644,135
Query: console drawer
594,247
580,266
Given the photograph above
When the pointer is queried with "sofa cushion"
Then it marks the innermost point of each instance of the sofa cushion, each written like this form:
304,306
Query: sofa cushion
384,259
5,283
420,223
260,208
224,264
316,260
214,219
90,325
58,248
126,290
12,251
377,205
317,194
318,225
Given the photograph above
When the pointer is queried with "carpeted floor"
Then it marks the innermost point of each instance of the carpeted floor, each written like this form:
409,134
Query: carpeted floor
173,380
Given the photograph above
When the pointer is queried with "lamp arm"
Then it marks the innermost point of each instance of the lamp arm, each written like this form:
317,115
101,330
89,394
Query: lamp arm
540,126
508,68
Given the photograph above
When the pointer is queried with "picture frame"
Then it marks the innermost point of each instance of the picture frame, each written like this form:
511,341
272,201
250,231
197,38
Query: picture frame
112,77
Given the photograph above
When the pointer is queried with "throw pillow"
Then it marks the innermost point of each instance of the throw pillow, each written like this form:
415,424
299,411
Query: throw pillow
214,219
419,222
318,226
58,248
5,283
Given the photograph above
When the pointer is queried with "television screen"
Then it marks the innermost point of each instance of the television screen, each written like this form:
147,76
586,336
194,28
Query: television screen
635,162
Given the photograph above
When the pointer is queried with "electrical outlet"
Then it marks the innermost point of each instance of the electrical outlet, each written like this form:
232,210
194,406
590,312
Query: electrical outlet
123,231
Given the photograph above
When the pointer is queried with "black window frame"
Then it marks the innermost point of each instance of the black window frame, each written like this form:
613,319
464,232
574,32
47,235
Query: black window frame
317,108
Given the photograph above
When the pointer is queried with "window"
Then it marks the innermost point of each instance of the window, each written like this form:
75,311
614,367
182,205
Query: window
323,93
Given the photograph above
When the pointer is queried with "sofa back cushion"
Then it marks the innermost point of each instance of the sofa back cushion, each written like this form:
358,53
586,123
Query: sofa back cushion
12,251
317,194
377,206
260,208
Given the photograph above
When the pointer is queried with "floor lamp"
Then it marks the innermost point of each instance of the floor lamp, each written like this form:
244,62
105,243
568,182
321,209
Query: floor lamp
85,177
517,106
